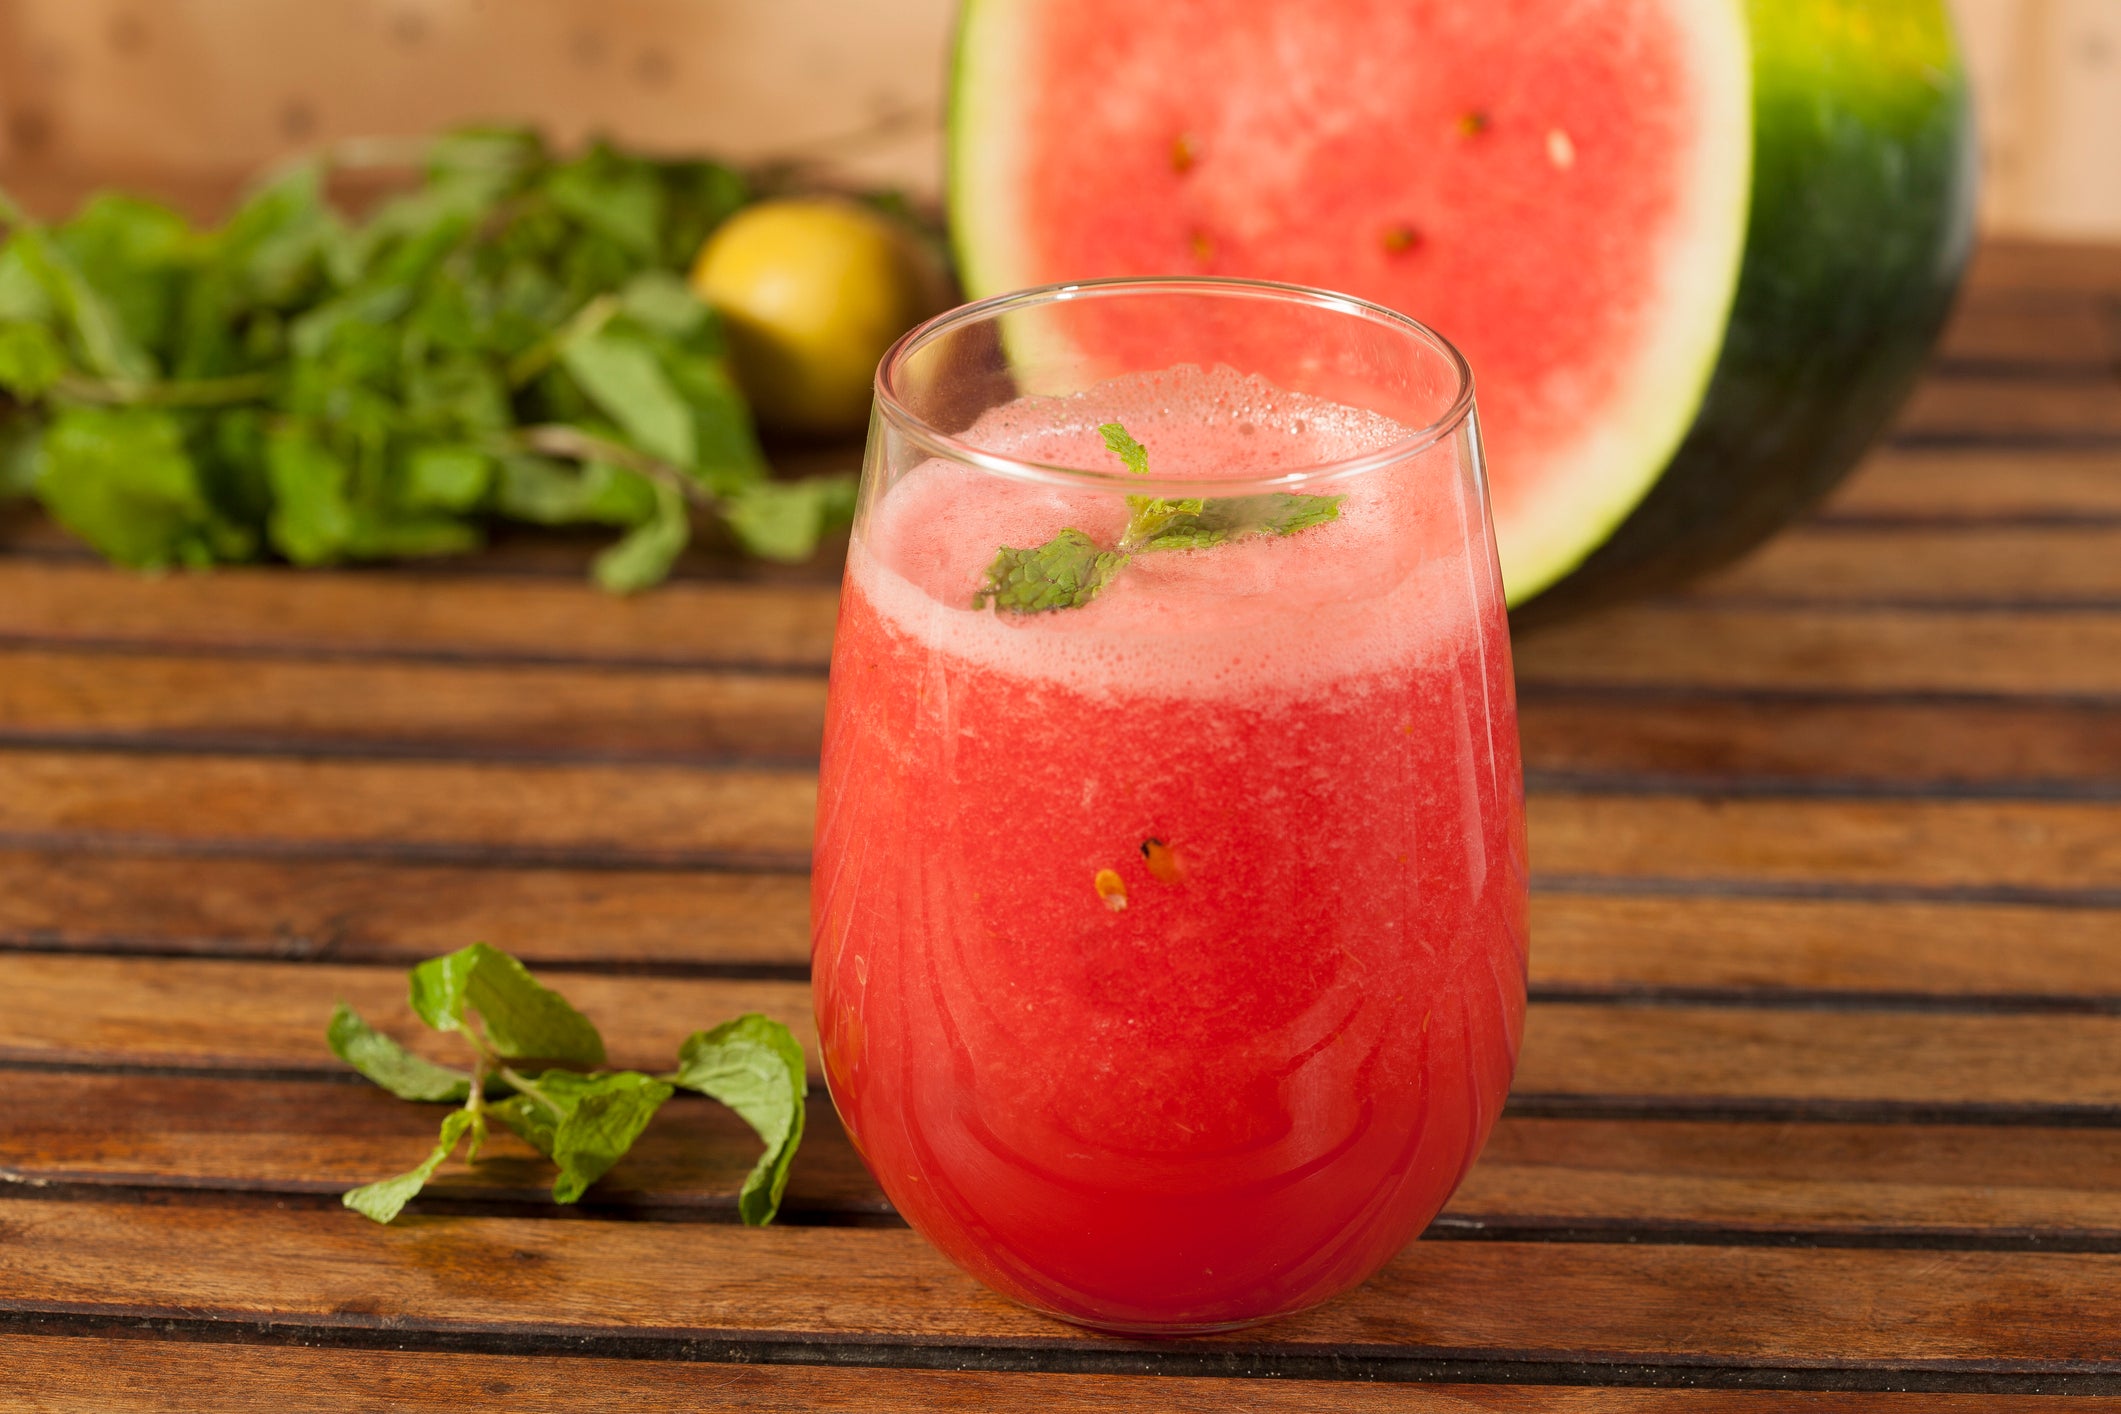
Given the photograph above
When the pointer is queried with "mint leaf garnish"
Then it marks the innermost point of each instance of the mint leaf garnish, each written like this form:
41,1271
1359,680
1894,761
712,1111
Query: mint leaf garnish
1064,573
1194,524
521,1018
583,1119
1068,571
385,1199
756,1068
389,1064
1122,445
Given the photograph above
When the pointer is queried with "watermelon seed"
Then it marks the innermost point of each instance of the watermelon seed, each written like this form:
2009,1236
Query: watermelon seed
1185,151
1203,248
1473,124
1560,151
1400,238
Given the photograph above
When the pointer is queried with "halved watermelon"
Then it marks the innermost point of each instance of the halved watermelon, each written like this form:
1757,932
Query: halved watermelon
1695,250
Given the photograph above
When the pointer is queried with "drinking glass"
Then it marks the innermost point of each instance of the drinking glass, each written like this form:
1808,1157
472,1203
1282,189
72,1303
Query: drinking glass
1169,906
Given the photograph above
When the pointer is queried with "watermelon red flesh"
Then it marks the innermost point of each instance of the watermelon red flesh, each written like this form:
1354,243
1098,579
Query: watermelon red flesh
1570,213
1695,250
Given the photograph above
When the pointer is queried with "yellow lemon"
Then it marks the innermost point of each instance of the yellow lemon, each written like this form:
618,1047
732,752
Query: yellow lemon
812,290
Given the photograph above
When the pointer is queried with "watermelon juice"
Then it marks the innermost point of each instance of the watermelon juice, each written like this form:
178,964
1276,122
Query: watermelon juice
1170,946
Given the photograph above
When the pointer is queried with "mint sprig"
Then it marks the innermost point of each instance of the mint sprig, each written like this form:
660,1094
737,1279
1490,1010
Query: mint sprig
580,1116
1071,569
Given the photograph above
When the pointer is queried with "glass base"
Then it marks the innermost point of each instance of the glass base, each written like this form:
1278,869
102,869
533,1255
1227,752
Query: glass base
1158,1330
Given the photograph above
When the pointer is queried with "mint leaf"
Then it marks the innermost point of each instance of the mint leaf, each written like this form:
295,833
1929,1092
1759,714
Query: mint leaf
754,1066
1194,524
583,1123
21,455
382,1201
608,1115
446,478
1066,572
124,480
784,520
389,1064
522,1019
623,378
31,359
1121,443
1069,570
644,557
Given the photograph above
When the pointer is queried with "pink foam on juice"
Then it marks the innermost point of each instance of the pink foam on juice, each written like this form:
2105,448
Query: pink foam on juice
1245,1087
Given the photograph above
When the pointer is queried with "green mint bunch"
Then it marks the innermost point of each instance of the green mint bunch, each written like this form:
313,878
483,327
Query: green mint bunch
1071,569
537,1069
512,340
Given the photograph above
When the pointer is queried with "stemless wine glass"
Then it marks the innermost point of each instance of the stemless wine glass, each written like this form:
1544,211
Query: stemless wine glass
1169,906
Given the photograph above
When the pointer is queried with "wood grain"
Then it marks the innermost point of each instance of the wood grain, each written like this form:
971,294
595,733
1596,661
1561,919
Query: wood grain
1603,944
72,1375
1674,643
645,816
856,1289
410,614
1615,1179
2085,408
292,1138
455,709
513,712
1969,565
204,1016
1963,845
1933,485
1639,737
2034,331
2057,267
326,910
364,911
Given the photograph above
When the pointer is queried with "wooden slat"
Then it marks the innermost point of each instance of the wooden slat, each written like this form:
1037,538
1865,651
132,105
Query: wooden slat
73,1375
1634,737
1508,1302
1961,485
1599,944
331,910
1964,845
357,910
2010,266
560,813
2034,331
465,709
643,813
2026,651
207,1015
1877,650
597,714
1930,564
275,1140
408,614
2060,409
204,1016
295,1137
1707,1056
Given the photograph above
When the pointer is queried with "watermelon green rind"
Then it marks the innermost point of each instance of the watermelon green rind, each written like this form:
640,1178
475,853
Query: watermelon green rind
1808,298
1861,223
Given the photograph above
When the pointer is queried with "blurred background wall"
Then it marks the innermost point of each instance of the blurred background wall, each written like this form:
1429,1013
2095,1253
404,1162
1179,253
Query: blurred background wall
177,93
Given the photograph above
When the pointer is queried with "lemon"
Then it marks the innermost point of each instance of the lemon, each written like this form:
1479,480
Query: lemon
812,290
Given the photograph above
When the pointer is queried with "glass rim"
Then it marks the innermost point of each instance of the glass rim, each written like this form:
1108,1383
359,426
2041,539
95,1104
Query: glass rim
916,429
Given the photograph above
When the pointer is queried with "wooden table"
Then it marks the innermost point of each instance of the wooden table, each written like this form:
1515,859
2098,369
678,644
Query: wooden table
1822,1087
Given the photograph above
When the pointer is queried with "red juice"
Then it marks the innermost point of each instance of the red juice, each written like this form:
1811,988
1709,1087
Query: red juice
1170,950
